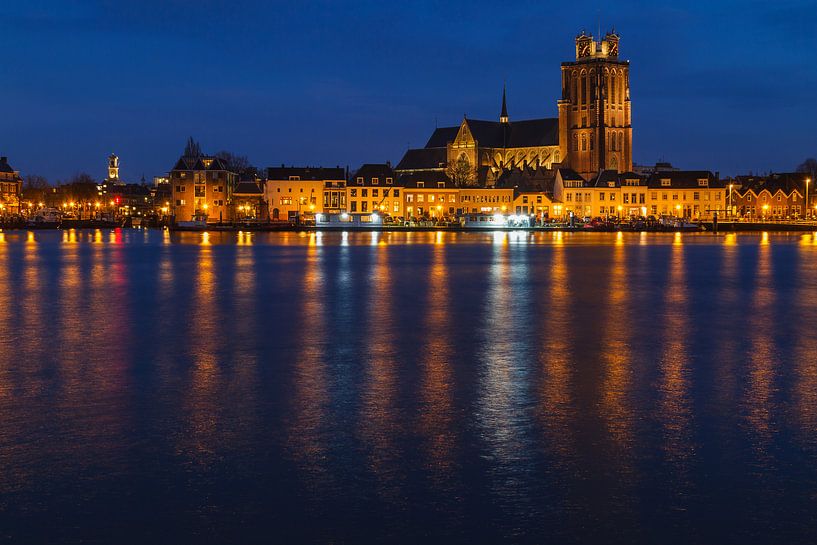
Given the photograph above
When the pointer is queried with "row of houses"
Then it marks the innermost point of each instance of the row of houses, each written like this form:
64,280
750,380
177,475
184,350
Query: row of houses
205,186
201,185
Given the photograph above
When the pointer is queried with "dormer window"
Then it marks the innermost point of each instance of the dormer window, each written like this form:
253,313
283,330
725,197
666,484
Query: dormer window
294,178
375,181
703,182
389,181
611,184
360,180
441,184
421,184
666,183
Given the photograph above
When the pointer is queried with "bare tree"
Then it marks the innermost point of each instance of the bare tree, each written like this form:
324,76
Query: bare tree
192,149
809,166
34,181
236,163
461,172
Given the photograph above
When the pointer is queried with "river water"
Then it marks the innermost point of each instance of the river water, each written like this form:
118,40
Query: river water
407,387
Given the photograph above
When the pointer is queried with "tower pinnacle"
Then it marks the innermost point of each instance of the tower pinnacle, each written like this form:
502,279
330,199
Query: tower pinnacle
503,117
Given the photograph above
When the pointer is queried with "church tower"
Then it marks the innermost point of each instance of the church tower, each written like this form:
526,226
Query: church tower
113,168
595,123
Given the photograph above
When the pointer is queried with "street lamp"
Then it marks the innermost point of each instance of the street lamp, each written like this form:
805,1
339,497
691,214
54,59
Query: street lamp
677,210
808,180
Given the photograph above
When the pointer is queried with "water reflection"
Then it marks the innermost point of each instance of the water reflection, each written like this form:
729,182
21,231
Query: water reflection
380,422
504,410
437,412
310,426
762,357
675,409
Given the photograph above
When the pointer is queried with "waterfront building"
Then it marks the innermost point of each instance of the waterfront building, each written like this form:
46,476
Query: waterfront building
374,188
533,190
201,185
776,196
574,192
249,200
11,187
485,200
693,194
297,193
592,132
620,195
429,195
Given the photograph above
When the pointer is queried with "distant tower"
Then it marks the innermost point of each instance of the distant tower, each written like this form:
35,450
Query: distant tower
595,123
503,117
113,168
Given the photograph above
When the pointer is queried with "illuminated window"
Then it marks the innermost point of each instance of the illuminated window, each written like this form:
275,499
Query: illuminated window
375,181
389,181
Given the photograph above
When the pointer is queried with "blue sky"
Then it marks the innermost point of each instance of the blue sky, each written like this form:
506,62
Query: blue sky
723,85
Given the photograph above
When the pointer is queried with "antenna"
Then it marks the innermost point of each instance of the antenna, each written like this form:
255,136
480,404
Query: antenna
598,19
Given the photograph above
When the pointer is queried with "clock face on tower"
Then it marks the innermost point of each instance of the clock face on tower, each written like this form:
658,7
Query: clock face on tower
612,48
584,49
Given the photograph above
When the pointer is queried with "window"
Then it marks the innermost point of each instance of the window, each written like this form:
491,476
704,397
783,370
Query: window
569,197
626,198
389,181
396,192
451,198
420,197
200,191
441,185
409,197
666,183
364,192
696,196
294,178
179,189
421,184
375,181
524,199
612,196
703,182
364,206
353,206
286,200
663,196
675,196
360,180
654,196
431,198
353,192
601,196
375,192
642,198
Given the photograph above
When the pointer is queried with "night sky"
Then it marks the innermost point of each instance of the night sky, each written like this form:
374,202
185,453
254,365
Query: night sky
722,85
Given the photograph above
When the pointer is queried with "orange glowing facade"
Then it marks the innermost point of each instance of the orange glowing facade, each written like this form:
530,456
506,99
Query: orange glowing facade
10,188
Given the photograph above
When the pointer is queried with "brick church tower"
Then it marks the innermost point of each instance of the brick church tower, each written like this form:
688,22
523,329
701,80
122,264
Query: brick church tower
595,123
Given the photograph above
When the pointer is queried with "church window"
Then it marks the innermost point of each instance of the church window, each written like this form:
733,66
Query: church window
584,90
584,143
575,96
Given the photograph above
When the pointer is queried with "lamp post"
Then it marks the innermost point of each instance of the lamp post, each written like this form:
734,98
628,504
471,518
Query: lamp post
807,208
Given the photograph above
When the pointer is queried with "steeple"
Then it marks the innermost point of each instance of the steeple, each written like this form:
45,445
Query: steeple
503,117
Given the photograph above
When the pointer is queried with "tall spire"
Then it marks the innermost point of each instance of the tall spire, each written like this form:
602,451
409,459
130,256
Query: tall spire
503,117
